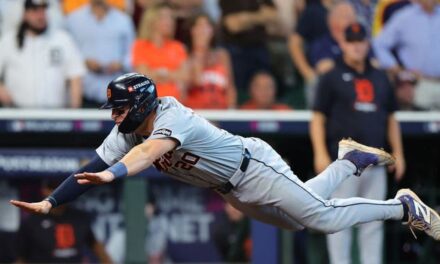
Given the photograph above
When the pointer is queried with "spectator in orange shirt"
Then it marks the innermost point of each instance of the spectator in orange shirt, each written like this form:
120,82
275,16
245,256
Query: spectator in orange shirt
156,54
263,94
212,84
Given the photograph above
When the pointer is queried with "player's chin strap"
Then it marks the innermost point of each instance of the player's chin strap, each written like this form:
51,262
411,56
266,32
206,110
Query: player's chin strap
137,115
128,126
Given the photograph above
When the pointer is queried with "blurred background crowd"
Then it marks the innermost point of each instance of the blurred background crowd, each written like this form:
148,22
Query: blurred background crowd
210,54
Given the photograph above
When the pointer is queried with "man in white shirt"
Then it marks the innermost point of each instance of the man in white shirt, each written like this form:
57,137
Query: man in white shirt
35,64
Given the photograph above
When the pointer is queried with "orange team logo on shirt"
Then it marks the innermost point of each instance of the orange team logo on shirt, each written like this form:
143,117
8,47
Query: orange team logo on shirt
64,236
364,90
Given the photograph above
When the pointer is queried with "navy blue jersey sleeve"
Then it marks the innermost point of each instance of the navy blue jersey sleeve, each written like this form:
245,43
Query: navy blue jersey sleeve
70,189
323,97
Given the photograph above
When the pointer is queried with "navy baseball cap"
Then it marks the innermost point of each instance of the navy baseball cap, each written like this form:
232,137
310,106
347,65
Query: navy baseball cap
30,4
355,32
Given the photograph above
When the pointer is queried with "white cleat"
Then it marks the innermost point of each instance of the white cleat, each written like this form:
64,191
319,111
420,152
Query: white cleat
420,216
348,145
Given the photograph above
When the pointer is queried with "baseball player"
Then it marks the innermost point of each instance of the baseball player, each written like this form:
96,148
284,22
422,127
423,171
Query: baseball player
246,172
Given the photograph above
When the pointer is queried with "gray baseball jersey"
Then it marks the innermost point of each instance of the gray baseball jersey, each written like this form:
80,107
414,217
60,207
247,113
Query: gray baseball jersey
206,156
267,190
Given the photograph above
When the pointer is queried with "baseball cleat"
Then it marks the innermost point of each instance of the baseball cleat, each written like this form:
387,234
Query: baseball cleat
420,216
363,156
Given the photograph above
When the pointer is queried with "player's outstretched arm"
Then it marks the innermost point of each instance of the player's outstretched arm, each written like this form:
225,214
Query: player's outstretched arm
66,192
136,160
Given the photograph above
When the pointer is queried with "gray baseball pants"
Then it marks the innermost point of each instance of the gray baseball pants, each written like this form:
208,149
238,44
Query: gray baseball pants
270,192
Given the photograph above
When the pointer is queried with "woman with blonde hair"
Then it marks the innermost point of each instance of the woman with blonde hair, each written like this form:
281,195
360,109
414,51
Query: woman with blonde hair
156,54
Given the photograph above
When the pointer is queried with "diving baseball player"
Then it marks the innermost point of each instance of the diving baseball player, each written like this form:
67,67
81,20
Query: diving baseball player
246,172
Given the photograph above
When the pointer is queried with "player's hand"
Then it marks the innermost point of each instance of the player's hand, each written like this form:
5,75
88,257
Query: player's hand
42,207
94,177
321,161
398,167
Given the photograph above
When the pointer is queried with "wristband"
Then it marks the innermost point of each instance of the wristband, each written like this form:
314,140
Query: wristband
119,170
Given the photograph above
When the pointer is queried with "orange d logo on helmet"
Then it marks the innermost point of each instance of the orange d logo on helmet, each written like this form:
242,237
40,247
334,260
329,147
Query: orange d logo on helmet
109,93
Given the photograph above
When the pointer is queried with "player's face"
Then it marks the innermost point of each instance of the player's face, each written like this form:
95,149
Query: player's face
119,114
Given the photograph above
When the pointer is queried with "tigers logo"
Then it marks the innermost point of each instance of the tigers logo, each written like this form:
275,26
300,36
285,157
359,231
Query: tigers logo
109,93
364,90
364,96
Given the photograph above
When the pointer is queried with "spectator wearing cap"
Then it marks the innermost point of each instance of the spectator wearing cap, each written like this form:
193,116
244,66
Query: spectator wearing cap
356,100
104,36
263,91
11,12
406,82
413,34
37,62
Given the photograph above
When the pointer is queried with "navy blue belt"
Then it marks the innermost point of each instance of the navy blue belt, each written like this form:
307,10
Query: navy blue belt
227,187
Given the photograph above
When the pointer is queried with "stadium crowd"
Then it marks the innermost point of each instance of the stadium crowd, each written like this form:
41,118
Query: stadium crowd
61,54
212,54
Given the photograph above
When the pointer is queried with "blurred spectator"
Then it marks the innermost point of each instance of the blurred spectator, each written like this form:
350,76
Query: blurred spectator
263,94
281,65
36,62
183,11
244,36
324,50
406,82
365,12
211,81
104,35
385,9
11,12
232,236
327,48
71,5
61,236
156,54
356,100
311,26
413,33
285,21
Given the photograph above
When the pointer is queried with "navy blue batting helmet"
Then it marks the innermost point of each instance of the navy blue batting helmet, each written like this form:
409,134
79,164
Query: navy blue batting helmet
138,92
